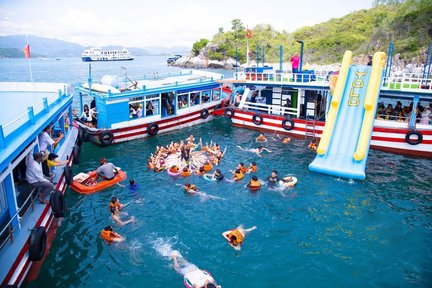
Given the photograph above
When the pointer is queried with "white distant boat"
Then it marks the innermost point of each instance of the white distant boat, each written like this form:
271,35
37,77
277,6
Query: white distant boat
99,54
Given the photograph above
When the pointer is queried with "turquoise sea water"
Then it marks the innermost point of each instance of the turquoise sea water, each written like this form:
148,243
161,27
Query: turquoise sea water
324,232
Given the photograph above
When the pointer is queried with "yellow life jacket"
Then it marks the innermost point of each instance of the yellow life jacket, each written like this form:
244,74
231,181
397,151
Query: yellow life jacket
208,167
254,183
253,168
239,236
239,176
185,174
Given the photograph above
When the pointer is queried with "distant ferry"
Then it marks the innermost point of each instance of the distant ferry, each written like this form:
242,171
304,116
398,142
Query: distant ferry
99,54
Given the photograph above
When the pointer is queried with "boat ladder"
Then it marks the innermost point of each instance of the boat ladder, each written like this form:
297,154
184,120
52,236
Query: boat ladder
310,129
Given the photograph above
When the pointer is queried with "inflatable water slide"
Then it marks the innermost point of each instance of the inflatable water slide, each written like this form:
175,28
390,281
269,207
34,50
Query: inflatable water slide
345,140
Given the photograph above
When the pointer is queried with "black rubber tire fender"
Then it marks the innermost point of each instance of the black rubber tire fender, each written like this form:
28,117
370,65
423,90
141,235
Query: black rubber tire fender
229,113
58,203
288,124
257,119
204,113
413,141
37,246
152,129
76,154
106,138
68,175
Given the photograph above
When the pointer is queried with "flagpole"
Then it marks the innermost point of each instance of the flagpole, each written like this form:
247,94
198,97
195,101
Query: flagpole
29,63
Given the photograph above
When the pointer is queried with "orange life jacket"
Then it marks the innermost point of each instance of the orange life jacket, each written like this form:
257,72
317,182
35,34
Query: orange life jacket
243,169
208,167
239,176
239,236
174,169
252,168
111,205
254,184
108,235
185,174
192,187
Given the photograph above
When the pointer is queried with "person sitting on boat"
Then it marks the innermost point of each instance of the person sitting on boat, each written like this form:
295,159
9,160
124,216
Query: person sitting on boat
238,175
35,177
261,138
192,276
139,111
254,183
107,170
109,235
235,237
115,215
115,202
242,168
46,143
52,162
273,178
87,116
252,167
237,99
149,108
133,112
190,188
257,151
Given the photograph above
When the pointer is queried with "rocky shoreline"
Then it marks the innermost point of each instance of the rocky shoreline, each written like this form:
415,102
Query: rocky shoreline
399,67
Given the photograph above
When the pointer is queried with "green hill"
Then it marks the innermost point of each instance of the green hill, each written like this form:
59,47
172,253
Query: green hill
407,24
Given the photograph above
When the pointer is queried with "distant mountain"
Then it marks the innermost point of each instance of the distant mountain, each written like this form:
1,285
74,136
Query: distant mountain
48,47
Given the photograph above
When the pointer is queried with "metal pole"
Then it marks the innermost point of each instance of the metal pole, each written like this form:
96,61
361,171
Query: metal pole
425,64
280,57
301,54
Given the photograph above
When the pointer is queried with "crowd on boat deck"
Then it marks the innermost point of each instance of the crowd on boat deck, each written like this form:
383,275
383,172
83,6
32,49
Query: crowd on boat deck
403,113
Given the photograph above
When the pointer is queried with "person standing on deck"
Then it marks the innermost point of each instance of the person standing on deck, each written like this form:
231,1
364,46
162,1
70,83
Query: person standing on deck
295,63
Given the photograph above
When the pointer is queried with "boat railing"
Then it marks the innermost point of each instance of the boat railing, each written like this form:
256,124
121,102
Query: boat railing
407,83
270,109
22,211
283,76
159,76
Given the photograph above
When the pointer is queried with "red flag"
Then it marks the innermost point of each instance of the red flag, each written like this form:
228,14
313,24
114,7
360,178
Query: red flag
27,51
248,33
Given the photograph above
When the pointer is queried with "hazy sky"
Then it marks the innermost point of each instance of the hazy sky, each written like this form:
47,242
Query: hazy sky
140,23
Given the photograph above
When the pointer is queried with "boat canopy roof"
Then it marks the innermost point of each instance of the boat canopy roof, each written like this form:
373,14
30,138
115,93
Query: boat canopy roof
28,109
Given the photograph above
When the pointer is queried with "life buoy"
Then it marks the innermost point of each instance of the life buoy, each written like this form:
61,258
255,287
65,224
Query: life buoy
37,245
67,171
106,138
152,129
76,154
288,124
204,113
257,119
413,141
58,204
229,113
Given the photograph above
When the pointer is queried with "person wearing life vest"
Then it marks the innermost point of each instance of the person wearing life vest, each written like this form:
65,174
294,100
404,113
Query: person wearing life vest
200,171
109,235
190,188
235,237
252,168
238,175
115,203
193,277
186,172
286,140
174,169
207,166
261,138
242,168
254,183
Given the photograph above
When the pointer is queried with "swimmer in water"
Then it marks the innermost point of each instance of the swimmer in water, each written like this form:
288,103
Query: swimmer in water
109,235
115,215
261,138
192,275
236,236
257,150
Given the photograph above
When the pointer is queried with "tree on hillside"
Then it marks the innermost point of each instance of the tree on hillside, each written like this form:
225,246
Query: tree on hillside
238,28
197,46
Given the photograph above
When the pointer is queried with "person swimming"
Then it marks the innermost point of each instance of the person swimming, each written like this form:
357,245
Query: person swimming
235,237
115,202
115,215
109,235
254,184
252,167
190,188
273,178
257,150
261,138
193,276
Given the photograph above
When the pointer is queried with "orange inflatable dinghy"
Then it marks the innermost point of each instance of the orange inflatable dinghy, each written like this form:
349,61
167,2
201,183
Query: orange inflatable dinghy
86,184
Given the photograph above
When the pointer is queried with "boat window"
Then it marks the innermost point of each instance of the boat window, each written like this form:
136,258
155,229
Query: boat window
195,98
183,100
206,96
151,105
216,94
